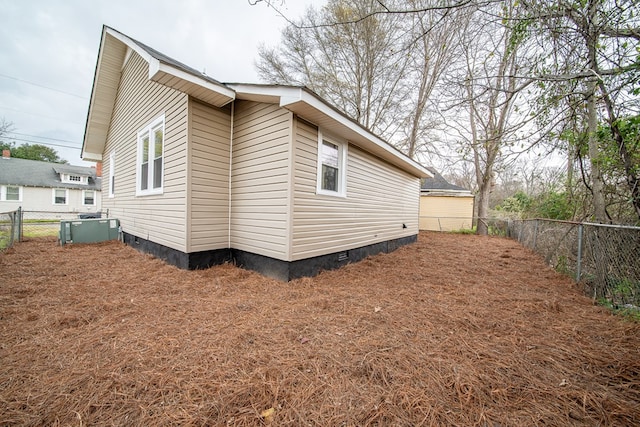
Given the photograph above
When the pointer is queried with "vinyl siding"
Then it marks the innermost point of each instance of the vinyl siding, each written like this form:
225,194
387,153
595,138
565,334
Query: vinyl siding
41,199
380,198
160,218
260,179
446,213
210,131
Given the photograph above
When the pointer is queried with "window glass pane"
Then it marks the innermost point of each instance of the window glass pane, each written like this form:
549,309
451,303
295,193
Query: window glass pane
158,139
329,178
151,146
75,178
13,193
61,197
144,176
157,173
329,154
145,149
88,197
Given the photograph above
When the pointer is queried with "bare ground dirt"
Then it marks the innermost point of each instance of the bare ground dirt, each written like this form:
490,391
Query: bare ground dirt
453,330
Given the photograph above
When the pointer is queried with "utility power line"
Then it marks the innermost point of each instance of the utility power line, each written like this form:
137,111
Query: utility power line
43,86
42,137
48,144
41,115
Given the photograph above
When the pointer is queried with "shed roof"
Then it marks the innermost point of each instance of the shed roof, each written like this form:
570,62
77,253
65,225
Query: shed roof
33,173
438,183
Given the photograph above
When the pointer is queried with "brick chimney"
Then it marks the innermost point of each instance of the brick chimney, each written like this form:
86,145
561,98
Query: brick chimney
6,154
99,169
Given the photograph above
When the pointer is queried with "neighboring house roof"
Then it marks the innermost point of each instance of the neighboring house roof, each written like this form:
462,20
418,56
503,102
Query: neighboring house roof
437,183
33,173
172,73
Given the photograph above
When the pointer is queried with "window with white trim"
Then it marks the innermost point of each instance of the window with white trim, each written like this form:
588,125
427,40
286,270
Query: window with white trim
74,179
332,162
11,193
150,158
60,196
112,176
88,197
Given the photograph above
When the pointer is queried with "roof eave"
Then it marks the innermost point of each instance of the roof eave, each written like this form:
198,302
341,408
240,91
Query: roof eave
310,107
105,86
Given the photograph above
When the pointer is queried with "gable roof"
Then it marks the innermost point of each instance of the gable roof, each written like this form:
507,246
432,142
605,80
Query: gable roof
169,72
33,173
438,183
114,47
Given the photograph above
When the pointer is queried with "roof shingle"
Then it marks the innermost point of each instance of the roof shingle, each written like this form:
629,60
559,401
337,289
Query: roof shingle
33,173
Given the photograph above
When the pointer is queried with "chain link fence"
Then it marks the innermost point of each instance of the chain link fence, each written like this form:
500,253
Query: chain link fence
10,228
20,224
604,258
462,224
47,224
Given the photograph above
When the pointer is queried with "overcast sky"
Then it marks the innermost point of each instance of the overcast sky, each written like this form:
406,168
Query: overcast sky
48,52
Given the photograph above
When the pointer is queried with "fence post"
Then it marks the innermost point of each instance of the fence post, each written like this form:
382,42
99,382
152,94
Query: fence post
21,221
535,233
579,261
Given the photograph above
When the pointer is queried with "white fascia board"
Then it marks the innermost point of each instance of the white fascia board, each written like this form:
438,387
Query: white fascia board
447,192
287,95
156,67
86,155
353,126
159,67
291,95
131,44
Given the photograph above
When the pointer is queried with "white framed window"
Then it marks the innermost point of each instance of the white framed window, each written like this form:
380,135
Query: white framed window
332,166
11,193
74,179
60,196
88,197
112,174
150,164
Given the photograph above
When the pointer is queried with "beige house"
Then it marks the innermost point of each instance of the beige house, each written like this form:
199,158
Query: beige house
444,206
200,172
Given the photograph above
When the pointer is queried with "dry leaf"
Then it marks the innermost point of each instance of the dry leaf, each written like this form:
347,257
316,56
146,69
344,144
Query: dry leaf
267,414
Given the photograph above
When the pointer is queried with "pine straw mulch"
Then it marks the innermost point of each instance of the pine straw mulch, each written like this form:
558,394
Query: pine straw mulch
453,330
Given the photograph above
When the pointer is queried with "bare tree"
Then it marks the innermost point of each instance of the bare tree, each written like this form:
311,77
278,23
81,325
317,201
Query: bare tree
432,46
486,97
583,55
5,126
595,45
356,67
379,67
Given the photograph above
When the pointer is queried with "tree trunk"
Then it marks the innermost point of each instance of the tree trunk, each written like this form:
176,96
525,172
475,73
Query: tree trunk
633,180
483,207
597,182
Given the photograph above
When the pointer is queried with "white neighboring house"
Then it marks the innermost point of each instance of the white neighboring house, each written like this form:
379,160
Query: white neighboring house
48,187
